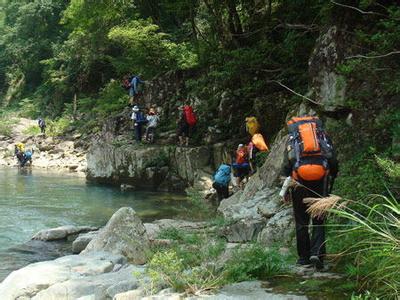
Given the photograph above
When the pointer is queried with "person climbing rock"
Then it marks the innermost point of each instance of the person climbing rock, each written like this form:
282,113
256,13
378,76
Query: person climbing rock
42,125
241,167
134,89
222,177
152,123
186,123
311,162
139,120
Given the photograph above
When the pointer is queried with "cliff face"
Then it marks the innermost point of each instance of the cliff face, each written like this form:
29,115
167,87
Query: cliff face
154,167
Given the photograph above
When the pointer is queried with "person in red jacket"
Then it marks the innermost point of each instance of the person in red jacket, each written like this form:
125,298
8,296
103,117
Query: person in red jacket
186,123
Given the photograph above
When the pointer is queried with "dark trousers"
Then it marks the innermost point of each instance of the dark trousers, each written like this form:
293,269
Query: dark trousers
222,191
307,247
138,132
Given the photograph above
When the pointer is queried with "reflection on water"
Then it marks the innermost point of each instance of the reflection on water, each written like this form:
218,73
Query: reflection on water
31,200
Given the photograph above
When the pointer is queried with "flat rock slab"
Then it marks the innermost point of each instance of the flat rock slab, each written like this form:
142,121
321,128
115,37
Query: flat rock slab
248,290
154,229
61,232
71,277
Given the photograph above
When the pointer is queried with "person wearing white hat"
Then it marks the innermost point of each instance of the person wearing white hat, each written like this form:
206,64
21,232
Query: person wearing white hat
138,119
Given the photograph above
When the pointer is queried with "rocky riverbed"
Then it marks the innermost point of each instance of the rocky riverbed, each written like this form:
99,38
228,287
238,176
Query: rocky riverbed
64,154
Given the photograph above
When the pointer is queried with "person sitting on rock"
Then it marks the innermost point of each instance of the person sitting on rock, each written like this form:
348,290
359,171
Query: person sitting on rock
241,167
222,178
152,123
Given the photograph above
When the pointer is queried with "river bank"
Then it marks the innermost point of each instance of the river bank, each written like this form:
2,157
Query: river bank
66,153
111,267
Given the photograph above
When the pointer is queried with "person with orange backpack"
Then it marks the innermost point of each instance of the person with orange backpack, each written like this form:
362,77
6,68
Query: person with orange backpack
310,160
186,123
241,167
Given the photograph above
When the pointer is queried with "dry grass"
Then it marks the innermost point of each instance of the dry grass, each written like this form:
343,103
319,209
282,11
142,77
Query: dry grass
319,207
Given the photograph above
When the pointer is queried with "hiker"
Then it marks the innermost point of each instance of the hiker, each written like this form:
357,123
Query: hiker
133,89
27,158
256,145
138,121
222,177
152,122
241,167
310,161
19,150
186,123
42,125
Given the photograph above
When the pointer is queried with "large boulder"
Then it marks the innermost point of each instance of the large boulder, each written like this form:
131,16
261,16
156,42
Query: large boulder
124,234
70,277
257,213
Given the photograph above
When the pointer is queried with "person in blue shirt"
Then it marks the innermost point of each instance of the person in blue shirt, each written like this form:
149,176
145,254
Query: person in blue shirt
222,178
134,90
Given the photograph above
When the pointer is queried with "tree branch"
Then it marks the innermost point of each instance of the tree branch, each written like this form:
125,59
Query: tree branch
373,56
357,9
294,92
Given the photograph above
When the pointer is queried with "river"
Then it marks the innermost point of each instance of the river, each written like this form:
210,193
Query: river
31,200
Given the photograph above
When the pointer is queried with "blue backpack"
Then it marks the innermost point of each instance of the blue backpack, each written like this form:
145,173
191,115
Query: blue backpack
223,175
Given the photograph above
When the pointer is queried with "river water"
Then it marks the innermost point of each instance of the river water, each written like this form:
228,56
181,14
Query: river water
31,200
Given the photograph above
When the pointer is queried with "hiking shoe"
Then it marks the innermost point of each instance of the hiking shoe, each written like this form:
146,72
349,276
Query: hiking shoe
317,263
303,262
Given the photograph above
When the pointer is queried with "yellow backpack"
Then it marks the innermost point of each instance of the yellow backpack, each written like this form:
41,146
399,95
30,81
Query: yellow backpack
252,125
20,147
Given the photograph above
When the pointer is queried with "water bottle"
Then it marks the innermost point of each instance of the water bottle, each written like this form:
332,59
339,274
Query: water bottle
285,186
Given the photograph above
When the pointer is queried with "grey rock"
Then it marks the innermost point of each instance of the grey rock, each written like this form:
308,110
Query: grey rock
280,228
80,243
154,229
130,295
248,290
124,234
244,230
68,277
61,232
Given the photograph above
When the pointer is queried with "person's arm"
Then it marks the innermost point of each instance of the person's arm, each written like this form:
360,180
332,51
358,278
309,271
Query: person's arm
287,167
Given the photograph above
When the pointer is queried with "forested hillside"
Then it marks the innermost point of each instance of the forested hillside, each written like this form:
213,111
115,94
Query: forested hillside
65,61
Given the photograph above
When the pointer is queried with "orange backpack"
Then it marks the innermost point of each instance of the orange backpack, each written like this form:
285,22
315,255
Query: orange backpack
309,148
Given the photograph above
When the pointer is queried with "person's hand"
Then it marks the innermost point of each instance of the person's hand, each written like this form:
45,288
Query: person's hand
287,198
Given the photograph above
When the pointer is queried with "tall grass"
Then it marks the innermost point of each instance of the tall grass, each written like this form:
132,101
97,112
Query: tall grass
376,244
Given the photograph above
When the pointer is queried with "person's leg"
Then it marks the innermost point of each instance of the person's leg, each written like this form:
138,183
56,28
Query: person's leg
137,133
217,187
318,239
140,132
225,192
146,134
302,221
318,248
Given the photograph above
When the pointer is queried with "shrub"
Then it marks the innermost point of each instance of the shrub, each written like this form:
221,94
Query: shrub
32,130
167,268
255,262
58,127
